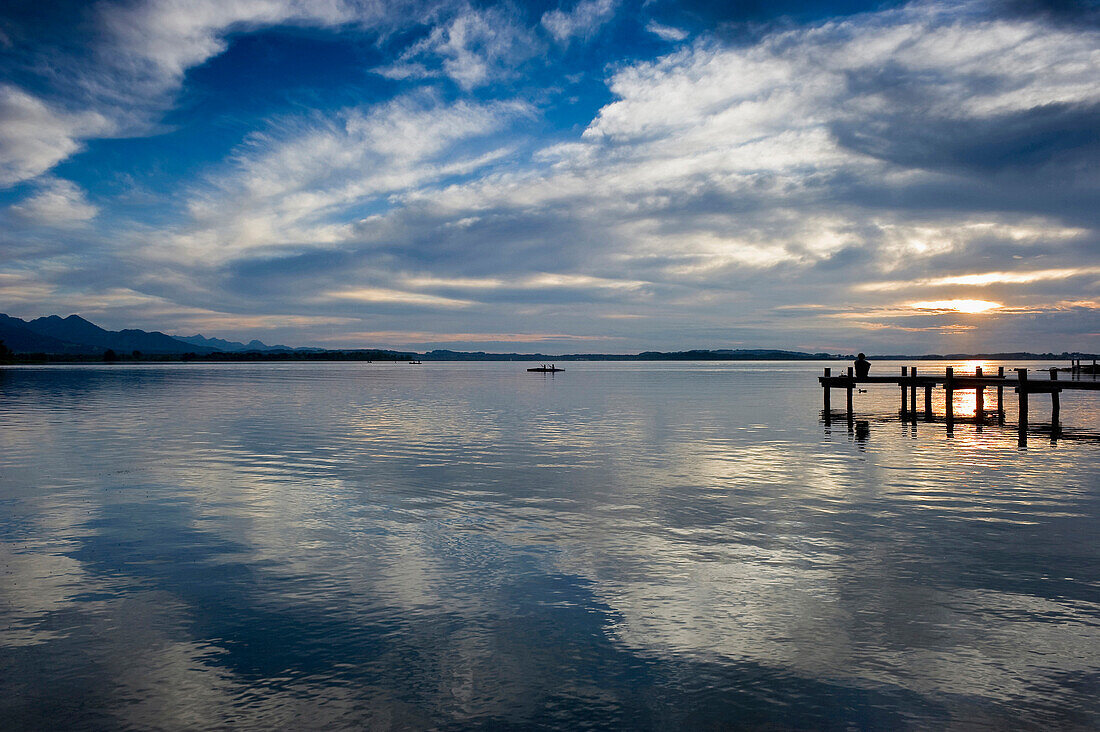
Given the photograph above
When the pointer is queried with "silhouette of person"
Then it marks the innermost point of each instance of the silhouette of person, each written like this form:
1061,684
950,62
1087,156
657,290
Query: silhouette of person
862,366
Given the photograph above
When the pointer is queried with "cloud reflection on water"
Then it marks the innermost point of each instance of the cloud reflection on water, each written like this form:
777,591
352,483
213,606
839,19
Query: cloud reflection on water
383,547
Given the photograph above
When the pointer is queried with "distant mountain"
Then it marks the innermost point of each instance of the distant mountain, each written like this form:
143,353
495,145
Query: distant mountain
74,334
73,329
16,336
235,346
78,330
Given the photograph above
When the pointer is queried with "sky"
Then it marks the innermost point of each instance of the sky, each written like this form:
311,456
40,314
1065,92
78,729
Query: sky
596,176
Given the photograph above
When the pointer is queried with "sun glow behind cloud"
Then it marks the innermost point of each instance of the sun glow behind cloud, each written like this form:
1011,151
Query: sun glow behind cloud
958,306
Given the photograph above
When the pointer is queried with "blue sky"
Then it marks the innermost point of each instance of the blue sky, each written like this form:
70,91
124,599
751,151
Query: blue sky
593,176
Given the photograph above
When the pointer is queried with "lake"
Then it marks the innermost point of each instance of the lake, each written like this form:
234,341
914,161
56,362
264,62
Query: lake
624,545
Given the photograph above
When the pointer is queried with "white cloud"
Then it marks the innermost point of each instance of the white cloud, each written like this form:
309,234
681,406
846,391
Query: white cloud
665,32
294,185
801,80
586,17
715,163
396,297
756,122
982,279
474,48
57,203
35,136
155,42
141,51
717,177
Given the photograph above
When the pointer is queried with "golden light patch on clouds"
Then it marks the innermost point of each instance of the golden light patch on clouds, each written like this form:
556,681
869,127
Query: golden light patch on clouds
982,279
945,329
926,308
990,278
699,254
703,264
543,280
25,290
476,283
704,254
396,297
125,297
550,280
1032,229
960,306
393,336
184,316
948,307
18,288
907,240
226,321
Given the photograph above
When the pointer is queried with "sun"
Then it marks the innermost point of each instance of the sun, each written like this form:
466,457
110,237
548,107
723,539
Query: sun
958,306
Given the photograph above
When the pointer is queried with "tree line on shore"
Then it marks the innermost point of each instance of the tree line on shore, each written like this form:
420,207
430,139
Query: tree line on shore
372,354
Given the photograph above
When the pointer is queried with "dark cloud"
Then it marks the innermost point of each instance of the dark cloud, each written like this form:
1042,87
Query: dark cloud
1053,140
1067,12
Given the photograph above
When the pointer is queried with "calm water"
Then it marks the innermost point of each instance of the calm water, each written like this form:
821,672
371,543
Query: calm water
623,545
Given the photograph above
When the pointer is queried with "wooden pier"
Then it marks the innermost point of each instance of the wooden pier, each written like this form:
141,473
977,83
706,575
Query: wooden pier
910,381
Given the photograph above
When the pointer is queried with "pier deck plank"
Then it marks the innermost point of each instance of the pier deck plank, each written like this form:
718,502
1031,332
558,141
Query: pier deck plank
960,382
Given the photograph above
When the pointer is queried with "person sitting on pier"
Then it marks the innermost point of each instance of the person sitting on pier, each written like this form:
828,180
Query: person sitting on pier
863,366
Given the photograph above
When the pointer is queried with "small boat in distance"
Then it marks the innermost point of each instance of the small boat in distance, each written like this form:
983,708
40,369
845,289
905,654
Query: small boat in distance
551,369
415,362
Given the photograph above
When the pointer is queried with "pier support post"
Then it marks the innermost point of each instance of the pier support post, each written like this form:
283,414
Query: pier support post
949,397
826,394
851,383
1022,391
1000,396
1055,408
913,394
904,401
928,403
979,399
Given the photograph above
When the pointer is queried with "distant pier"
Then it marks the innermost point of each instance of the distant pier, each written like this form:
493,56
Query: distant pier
910,381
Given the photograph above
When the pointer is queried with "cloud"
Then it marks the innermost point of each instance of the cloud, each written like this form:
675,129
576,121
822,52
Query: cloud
586,17
927,145
666,32
133,68
152,44
34,136
474,48
295,183
57,203
397,297
984,279
957,306
19,289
